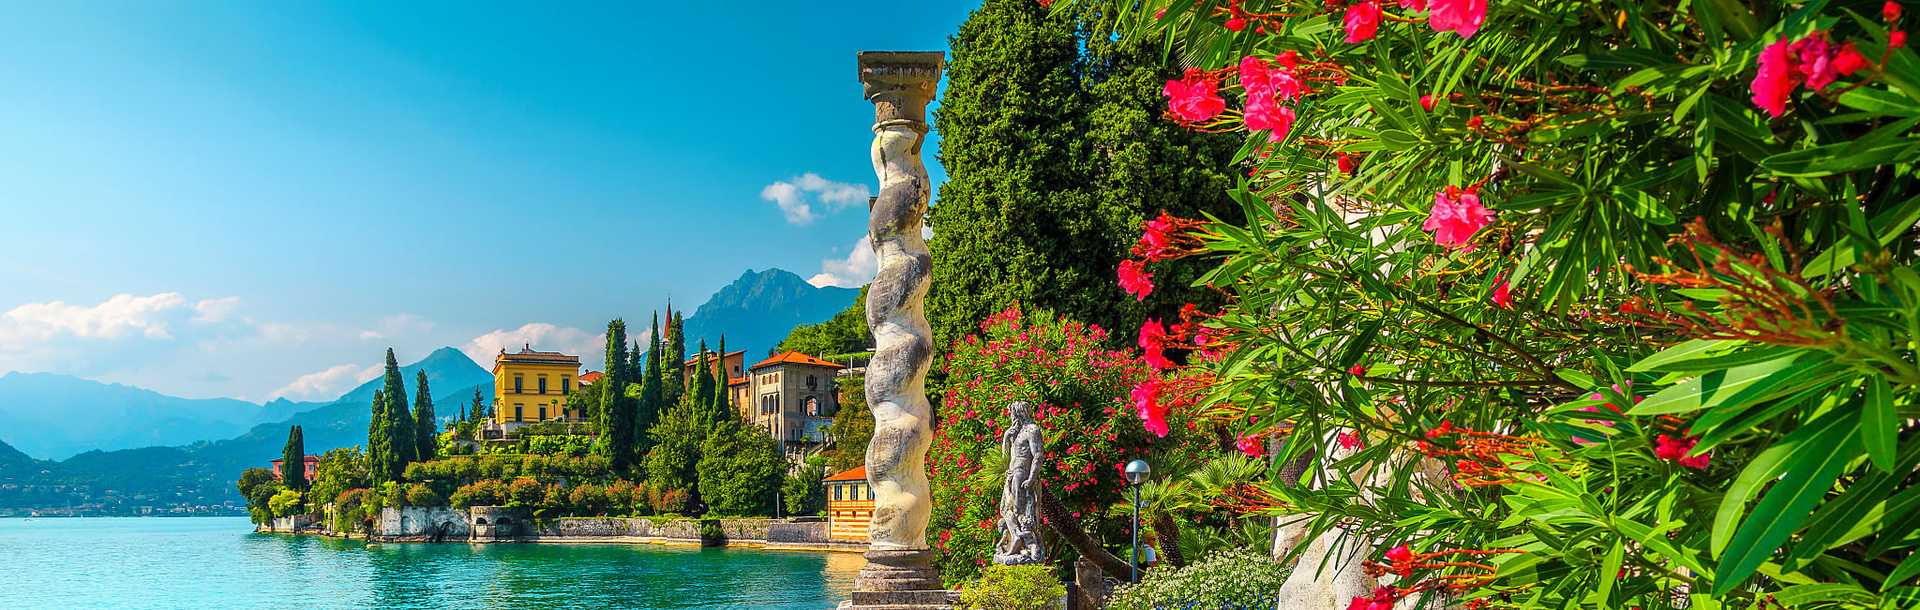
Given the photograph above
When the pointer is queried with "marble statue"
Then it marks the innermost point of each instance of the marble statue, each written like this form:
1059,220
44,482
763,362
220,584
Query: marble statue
1019,504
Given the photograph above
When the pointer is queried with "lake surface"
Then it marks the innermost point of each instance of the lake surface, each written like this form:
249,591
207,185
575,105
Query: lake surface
218,562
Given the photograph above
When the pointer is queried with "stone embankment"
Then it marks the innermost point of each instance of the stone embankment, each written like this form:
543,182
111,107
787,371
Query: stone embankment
495,524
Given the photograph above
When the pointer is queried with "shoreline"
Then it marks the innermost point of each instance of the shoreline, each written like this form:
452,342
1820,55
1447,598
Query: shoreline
748,533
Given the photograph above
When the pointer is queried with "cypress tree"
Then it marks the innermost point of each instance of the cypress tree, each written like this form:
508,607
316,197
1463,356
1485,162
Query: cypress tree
479,406
426,426
701,395
721,405
399,418
383,455
651,405
1054,157
671,369
617,410
293,464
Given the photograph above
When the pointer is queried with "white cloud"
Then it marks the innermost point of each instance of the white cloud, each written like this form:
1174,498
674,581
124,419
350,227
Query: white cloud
328,383
797,197
215,310
119,316
852,271
398,325
541,336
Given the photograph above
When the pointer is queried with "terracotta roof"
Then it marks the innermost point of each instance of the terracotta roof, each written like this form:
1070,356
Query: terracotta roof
857,474
738,381
590,377
527,354
795,358
690,359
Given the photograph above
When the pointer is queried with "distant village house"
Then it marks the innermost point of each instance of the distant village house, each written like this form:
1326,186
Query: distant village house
849,505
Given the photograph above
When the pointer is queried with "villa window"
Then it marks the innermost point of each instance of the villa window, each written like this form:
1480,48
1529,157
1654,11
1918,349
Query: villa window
836,493
813,382
543,412
518,384
543,384
519,412
566,384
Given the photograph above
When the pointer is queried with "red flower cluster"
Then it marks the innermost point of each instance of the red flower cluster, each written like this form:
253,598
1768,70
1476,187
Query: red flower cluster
1502,295
1462,17
1362,21
1265,87
1382,599
1135,279
1477,460
1676,448
1812,61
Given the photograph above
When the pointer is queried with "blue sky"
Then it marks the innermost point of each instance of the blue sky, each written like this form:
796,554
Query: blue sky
254,199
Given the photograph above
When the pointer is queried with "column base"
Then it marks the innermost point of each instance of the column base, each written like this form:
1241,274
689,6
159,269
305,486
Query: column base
899,580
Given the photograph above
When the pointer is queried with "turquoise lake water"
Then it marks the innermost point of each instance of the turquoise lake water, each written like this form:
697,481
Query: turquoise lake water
221,563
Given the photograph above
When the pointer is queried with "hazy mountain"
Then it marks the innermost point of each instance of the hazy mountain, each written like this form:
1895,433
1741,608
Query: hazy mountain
204,472
56,416
757,310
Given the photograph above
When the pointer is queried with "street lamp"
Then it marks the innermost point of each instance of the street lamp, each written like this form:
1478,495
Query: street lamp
1137,472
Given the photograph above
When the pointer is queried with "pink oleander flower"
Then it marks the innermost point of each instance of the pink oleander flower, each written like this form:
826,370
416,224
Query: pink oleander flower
1236,23
1195,97
1399,554
1277,119
1357,370
1264,84
1426,102
1344,163
1135,279
1153,339
1813,61
1675,449
1462,17
1362,21
1146,404
1773,83
1896,39
1349,440
1251,445
1156,238
1890,11
1502,296
1414,5
1455,217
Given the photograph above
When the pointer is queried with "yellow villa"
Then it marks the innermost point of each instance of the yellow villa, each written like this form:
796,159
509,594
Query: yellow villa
532,386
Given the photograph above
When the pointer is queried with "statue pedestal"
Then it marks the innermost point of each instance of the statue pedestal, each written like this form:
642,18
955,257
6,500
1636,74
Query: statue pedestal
899,580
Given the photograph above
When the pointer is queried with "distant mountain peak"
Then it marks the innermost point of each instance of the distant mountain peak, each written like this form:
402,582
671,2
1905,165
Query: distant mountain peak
759,308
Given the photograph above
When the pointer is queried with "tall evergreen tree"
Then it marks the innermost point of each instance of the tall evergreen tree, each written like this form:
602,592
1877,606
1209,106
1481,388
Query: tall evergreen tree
676,355
479,406
1054,157
293,464
399,417
426,426
701,394
652,404
721,375
617,409
384,455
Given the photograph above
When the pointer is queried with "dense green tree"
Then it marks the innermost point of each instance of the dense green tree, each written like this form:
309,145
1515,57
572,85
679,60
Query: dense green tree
399,417
339,470
257,486
723,408
700,395
617,409
677,439
804,491
1053,158
384,454
739,470
845,333
293,460
426,426
852,426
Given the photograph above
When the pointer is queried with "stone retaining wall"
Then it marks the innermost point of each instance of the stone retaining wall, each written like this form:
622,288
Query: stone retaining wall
437,524
443,524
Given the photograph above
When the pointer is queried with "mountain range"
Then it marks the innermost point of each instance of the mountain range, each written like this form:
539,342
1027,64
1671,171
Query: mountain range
179,468
757,310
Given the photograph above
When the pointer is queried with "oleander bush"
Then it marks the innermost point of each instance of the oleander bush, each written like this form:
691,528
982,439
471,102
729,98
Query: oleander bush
1232,579
1564,304
1030,587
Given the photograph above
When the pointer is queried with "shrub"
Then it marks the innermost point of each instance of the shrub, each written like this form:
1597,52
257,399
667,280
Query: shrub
478,493
672,501
739,471
1078,391
1229,579
286,503
525,492
1030,587
570,445
349,510
711,530
421,495
588,499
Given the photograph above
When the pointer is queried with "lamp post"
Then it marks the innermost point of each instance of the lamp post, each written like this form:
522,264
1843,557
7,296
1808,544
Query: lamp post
1137,472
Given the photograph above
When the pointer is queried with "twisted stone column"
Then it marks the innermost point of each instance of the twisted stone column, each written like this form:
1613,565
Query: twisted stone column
900,85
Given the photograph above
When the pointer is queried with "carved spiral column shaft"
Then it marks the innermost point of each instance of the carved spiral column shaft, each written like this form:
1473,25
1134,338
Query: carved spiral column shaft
900,85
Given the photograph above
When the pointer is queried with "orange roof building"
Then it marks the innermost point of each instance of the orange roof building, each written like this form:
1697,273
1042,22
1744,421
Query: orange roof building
849,505
794,397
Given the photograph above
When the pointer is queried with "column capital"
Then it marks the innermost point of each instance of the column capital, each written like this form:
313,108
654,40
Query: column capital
900,84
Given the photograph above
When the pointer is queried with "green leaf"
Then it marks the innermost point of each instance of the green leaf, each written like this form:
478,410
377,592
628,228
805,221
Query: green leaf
1839,158
1879,428
1735,386
1800,595
1784,507
1908,568
1765,467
